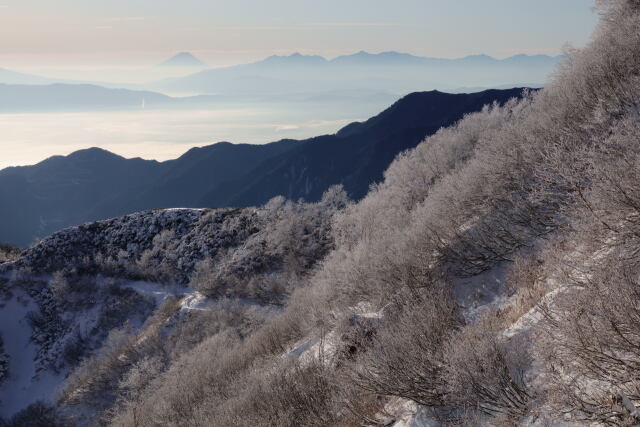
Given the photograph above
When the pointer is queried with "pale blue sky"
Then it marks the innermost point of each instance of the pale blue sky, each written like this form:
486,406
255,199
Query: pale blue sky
139,32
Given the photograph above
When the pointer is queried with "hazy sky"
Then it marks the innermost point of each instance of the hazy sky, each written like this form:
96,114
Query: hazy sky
119,41
93,33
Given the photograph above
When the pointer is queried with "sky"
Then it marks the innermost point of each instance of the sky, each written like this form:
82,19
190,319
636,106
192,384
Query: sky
50,34
120,41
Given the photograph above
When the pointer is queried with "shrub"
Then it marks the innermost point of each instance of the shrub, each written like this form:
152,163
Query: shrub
38,414
289,395
75,349
407,356
487,374
9,253
294,238
4,362
592,346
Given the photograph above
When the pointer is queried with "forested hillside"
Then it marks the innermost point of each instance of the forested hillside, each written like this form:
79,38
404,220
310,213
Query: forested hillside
491,278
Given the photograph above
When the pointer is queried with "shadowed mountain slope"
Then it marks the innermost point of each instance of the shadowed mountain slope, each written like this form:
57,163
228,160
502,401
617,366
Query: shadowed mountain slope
94,184
357,155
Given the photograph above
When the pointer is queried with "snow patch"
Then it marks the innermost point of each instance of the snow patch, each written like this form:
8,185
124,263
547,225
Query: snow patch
184,210
24,384
406,413
196,302
156,291
191,300
481,292
532,318
316,348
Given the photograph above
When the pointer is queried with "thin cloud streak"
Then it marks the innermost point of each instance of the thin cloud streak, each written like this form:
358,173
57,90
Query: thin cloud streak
354,24
306,26
127,19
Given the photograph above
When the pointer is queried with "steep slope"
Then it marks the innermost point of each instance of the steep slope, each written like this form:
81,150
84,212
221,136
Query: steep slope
491,279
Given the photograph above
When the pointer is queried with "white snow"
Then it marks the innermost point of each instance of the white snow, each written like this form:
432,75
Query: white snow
533,317
481,292
158,292
301,348
197,302
315,348
405,413
24,385
192,300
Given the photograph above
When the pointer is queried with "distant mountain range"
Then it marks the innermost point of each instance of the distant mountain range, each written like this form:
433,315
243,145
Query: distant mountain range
394,72
346,83
95,184
396,58
16,78
76,97
59,97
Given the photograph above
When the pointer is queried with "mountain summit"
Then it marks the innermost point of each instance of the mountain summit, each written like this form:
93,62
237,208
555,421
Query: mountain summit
183,59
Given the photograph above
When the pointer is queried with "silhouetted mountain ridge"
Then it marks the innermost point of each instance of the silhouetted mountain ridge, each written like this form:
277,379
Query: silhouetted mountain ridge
83,97
96,184
14,77
357,155
58,97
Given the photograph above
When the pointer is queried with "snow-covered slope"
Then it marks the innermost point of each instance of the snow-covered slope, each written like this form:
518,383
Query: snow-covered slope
45,337
24,383
38,357
102,293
